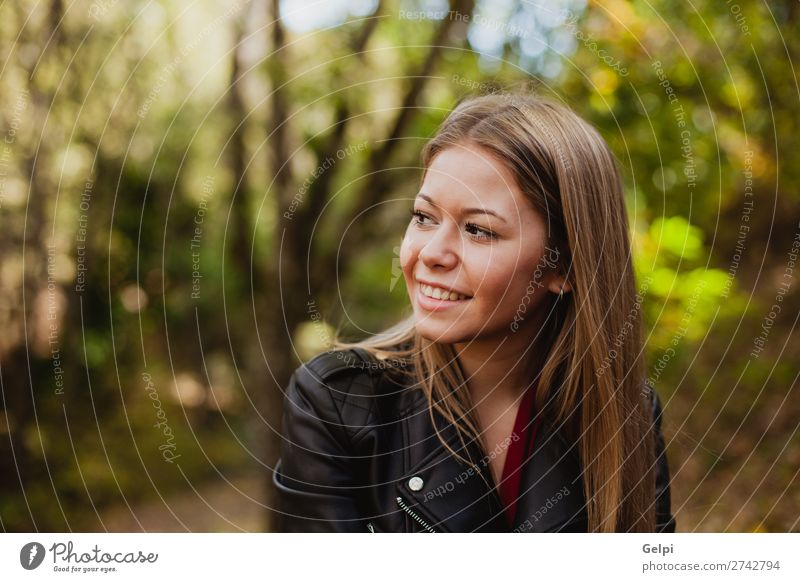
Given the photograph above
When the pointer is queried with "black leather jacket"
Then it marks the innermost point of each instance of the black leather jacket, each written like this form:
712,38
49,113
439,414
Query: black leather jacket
360,454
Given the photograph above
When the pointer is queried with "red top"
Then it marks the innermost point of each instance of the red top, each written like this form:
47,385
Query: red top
518,451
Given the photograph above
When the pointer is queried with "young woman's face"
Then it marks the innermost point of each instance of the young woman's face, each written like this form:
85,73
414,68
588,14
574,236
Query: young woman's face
474,233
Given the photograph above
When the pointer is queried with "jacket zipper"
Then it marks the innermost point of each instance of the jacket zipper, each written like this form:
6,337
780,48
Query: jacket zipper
413,514
371,527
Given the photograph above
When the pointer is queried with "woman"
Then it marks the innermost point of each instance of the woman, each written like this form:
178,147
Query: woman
513,398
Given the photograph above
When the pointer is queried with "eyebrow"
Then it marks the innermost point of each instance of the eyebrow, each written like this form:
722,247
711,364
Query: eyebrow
464,211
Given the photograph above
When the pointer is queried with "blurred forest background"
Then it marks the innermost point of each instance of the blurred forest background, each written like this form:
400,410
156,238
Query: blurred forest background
194,195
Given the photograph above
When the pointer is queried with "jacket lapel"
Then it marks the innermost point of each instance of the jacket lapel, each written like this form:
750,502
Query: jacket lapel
452,496
448,494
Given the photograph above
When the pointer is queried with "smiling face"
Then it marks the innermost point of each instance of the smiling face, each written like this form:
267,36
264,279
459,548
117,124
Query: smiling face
476,234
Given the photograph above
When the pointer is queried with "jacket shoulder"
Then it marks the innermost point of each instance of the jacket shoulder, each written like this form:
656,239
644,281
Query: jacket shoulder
344,371
341,366
327,364
343,384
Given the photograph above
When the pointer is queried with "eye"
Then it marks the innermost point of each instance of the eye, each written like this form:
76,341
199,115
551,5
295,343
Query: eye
481,233
475,231
418,217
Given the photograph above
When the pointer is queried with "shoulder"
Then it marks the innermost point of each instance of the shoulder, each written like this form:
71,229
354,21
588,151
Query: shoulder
343,385
341,369
332,371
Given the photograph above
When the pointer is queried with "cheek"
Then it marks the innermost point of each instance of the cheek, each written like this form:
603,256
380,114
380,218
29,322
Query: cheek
507,281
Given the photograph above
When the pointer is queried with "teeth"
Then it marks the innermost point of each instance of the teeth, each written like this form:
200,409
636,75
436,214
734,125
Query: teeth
438,293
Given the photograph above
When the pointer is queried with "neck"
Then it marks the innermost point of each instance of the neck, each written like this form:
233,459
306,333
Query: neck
499,370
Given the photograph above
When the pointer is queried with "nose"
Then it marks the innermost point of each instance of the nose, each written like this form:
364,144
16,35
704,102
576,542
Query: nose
440,250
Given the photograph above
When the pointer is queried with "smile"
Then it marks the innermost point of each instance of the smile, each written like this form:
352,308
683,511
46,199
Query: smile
439,293
428,301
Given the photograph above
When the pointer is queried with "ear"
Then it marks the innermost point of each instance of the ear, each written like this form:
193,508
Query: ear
557,283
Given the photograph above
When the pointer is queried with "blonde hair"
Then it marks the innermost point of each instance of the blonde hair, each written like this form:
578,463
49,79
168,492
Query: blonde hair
566,169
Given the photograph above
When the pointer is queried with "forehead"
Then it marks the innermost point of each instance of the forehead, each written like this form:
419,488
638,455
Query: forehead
470,175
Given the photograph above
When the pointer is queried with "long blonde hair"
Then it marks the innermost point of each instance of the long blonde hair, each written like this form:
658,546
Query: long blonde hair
592,379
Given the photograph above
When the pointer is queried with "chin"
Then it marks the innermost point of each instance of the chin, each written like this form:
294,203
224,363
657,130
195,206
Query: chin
441,334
